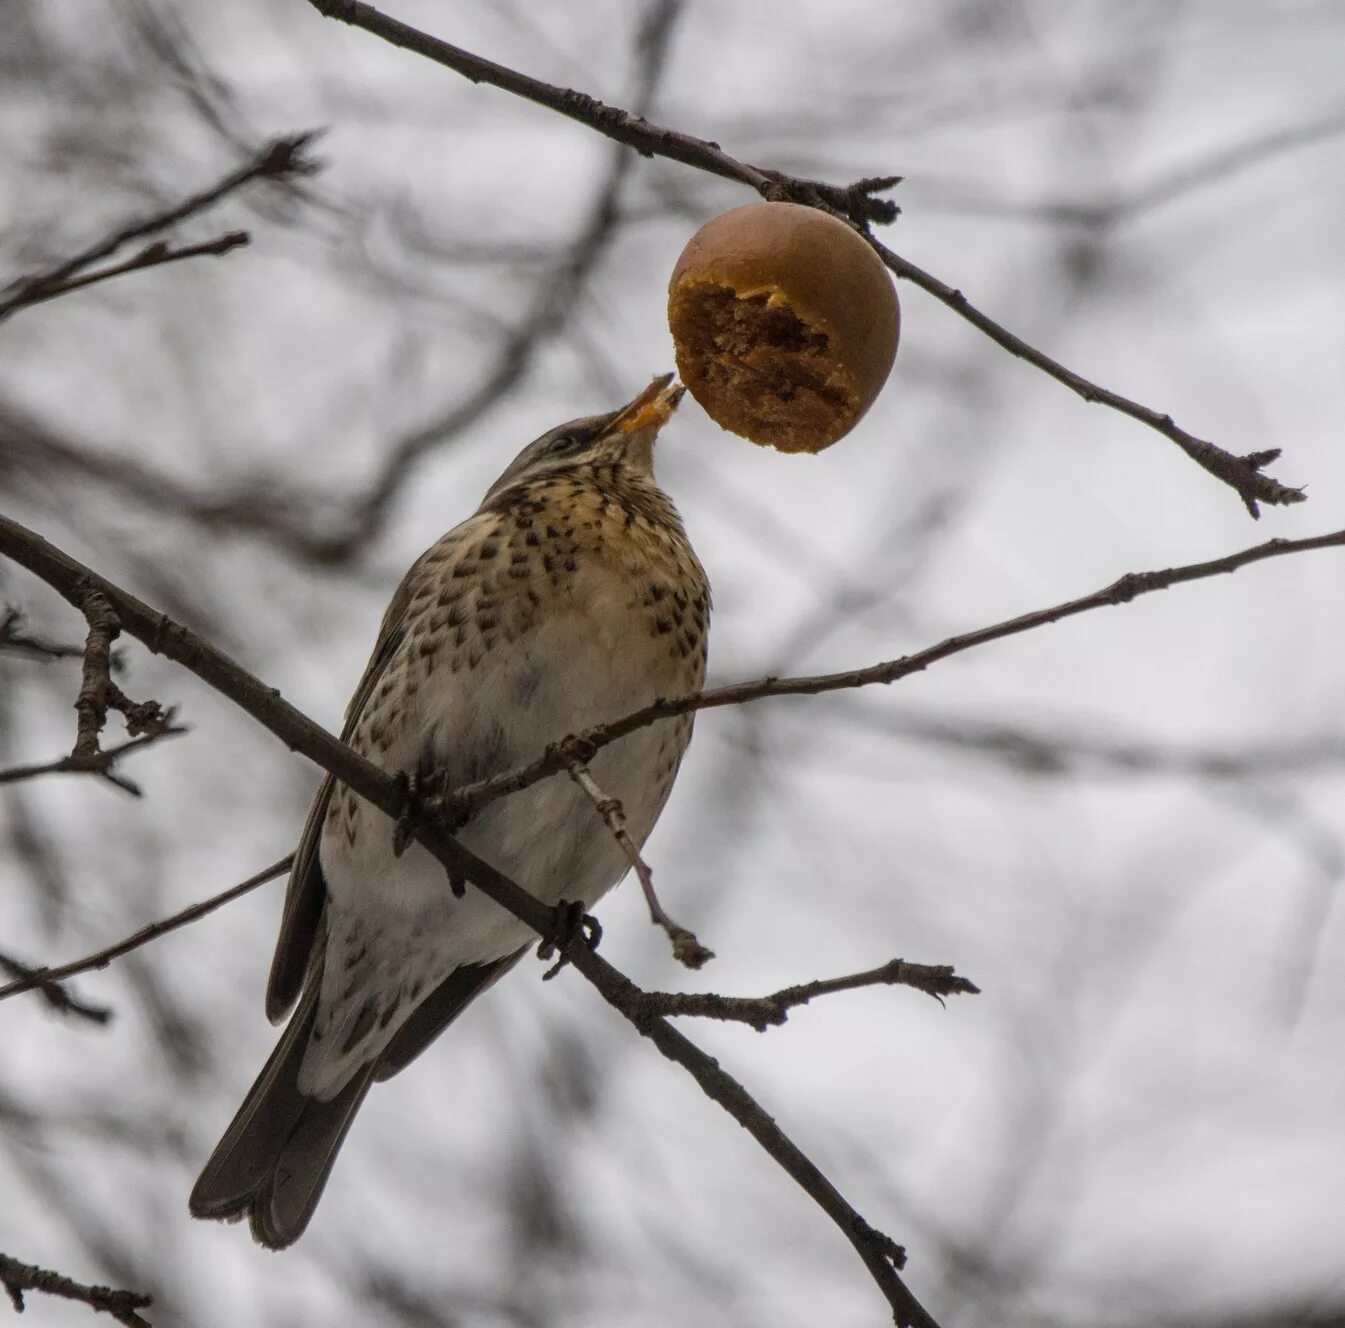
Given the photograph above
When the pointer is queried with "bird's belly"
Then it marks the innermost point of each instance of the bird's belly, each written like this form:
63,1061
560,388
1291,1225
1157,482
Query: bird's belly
564,676
484,677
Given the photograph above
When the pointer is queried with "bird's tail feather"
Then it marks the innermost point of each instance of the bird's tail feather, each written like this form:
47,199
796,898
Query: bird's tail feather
275,1157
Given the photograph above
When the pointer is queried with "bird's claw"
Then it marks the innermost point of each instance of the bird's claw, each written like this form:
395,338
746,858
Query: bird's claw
405,826
426,797
572,924
422,798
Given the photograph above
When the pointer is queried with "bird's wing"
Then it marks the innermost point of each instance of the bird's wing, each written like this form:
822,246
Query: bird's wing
439,1009
306,894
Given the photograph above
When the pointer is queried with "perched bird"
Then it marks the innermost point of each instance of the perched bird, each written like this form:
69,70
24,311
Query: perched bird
571,597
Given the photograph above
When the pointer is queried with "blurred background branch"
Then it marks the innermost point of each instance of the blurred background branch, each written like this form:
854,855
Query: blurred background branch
1139,809
283,159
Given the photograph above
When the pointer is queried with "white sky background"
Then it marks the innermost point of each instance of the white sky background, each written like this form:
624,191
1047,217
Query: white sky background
1142,1120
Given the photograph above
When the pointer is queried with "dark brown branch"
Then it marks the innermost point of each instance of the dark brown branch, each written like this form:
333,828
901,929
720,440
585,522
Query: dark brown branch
40,977
1240,473
52,992
92,702
557,757
157,254
146,721
634,131
881,1255
100,762
854,202
283,159
686,948
143,718
937,980
19,1277
73,581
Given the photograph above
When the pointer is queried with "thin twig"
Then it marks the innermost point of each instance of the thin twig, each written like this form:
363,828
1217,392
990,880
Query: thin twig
53,993
72,580
686,948
761,1012
1241,473
556,758
102,958
282,159
19,1277
14,638
101,762
154,255
853,202
634,131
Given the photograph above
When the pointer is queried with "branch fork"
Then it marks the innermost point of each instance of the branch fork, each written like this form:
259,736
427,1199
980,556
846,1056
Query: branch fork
687,950
763,1012
146,721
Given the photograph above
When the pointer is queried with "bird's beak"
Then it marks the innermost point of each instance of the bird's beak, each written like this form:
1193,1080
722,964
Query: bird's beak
650,411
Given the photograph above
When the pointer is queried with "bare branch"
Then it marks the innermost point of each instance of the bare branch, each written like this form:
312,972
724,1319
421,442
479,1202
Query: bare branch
100,762
121,1305
1134,584
855,203
761,1012
53,993
73,580
92,702
1240,473
686,948
154,255
282,159
40,978
146,721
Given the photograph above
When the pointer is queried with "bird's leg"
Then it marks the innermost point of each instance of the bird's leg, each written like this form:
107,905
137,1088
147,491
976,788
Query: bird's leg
423,800
409,815
424,797
572,924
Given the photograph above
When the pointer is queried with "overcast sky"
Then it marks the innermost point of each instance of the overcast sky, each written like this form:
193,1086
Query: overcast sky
1126,828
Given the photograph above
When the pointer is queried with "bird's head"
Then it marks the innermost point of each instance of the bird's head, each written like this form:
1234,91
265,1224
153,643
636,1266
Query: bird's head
625,437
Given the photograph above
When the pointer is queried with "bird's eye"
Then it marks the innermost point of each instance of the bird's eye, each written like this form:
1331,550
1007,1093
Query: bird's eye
564,445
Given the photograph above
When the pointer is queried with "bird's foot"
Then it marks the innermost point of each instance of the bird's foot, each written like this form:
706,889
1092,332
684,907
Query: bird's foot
572,924
426,800
408,818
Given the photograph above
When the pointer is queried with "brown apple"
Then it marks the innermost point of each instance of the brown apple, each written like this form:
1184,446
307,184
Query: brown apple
785,324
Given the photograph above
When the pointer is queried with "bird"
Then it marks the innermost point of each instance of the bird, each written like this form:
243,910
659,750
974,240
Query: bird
571,597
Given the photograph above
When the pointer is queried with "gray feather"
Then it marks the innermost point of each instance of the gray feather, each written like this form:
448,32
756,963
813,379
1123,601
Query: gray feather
275,1157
